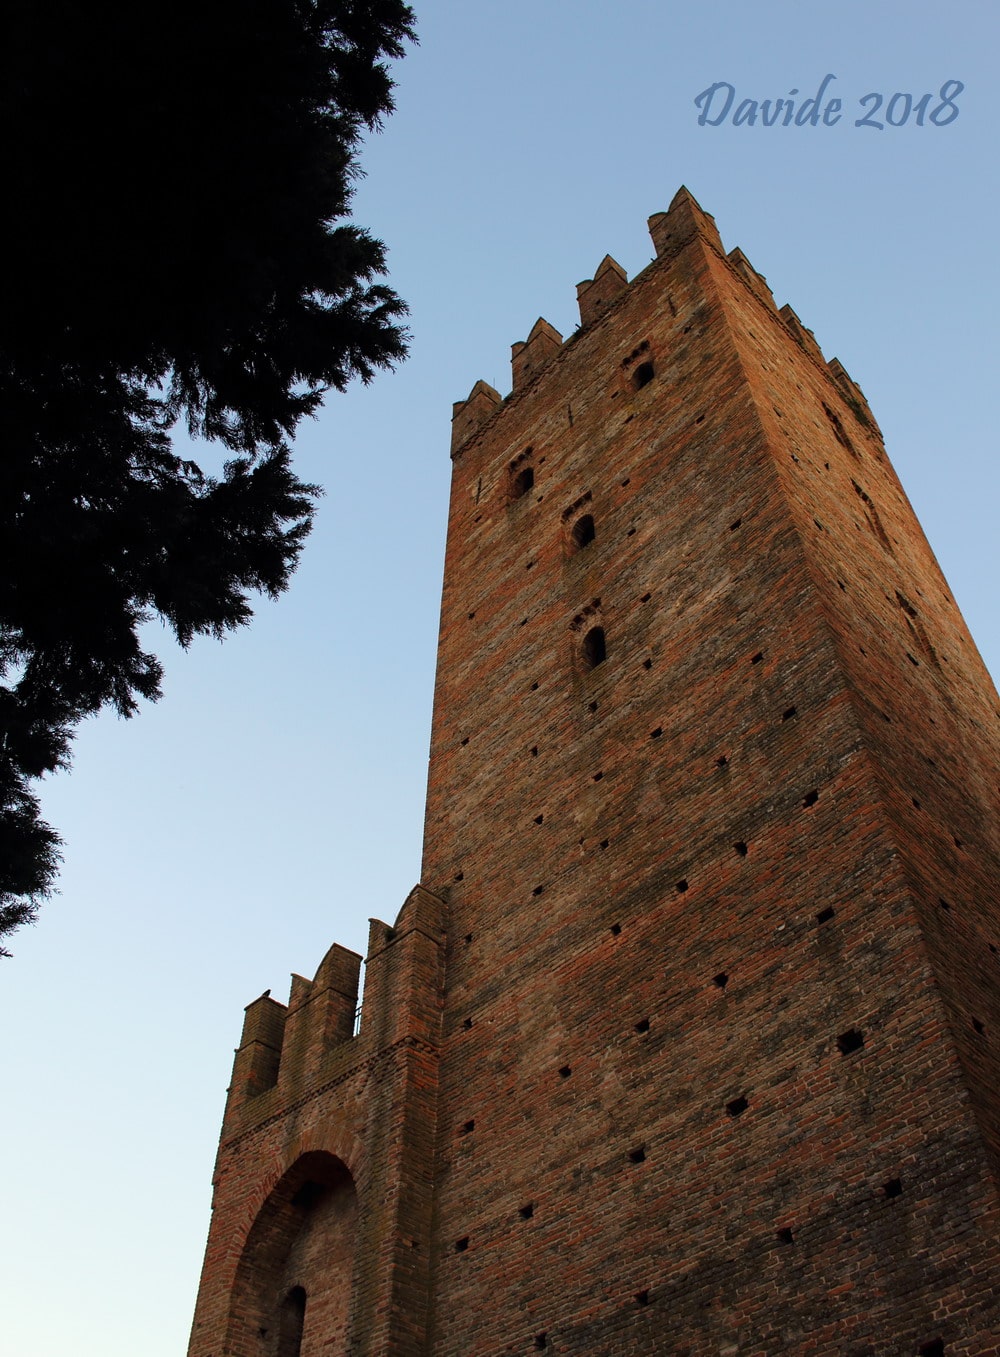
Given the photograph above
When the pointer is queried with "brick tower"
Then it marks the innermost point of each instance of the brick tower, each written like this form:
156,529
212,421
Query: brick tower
687,1042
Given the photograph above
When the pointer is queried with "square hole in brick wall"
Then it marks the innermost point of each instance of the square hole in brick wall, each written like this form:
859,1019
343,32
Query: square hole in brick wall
737,1107
849,1042
638,1155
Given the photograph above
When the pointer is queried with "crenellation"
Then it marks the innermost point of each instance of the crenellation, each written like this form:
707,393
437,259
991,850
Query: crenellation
683,220
854,396
595,295
804,338
255,1067
529,356
757,282
482,402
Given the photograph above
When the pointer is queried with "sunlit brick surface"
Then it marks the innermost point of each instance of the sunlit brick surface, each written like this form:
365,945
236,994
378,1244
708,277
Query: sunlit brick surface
687,1043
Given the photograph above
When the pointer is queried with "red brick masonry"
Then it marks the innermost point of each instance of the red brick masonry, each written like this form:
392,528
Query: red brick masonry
687,1043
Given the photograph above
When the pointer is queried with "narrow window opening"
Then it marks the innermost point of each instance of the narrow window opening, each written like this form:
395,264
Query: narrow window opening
583,532
534,687
655,734
630,533
527,1211
468,1127
471,616
893,1188
538,890
734,526
682,886
592,706
642,376
788,714
647,664
642,1025
598,776
933,1348
459,876
534,751
944,904
626,481
616,929
645,598
741,849
565,1071
522,482
594,648
721,761
916,803
291,1322
468,938
462,1244
638,1155
642,1298
603,844
825,915
721,980
737,1107
849,1042
980,1028
465,741
810,798
785,1236
541,1341
466,1024
539,819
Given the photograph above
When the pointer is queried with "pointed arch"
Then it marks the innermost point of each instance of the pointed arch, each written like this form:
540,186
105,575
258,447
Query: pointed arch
292,1288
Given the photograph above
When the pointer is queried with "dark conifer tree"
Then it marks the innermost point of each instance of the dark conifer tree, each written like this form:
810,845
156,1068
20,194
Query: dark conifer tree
177,179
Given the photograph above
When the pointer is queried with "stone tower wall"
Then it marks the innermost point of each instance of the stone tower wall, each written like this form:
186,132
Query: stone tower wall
686,1043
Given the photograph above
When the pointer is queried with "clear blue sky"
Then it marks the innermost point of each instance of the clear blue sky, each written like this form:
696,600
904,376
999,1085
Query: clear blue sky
273,800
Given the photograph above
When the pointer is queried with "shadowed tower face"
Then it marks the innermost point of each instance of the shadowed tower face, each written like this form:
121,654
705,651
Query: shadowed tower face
686,1041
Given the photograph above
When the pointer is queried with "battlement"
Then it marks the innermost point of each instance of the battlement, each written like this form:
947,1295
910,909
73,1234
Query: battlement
671,232
285,1047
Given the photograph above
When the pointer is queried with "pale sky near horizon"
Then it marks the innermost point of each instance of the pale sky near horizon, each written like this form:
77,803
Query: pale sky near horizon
273,800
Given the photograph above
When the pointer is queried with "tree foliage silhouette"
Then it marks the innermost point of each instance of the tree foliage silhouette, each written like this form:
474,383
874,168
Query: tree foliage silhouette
178,179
